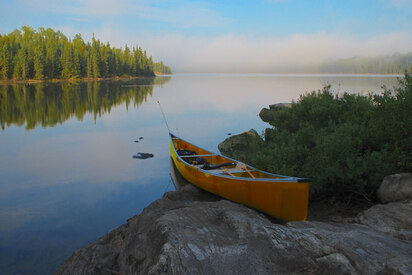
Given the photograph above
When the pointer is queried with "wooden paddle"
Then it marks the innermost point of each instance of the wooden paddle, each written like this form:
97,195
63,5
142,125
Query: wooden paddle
227,172
243,166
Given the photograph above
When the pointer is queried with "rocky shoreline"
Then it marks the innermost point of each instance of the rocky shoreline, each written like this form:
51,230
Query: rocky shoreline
190,231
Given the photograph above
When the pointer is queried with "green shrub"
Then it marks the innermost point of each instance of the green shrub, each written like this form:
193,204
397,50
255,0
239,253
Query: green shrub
346,143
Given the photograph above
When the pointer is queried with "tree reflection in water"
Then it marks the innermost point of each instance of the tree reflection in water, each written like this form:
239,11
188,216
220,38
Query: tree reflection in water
49,104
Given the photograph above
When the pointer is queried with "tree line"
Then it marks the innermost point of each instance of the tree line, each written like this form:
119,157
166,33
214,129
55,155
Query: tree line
49,54
388,64
161,68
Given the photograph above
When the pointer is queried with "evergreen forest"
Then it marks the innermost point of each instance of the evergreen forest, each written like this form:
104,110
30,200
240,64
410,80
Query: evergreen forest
48,54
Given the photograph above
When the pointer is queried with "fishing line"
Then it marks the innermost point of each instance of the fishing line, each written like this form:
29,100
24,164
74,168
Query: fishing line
164,117
167,125
170,180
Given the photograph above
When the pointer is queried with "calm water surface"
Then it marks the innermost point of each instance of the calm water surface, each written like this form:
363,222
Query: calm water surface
67,175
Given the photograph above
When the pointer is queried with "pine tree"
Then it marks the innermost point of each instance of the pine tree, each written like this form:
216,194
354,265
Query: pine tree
39,62
21,70
67,61
96,59
5,64
80,56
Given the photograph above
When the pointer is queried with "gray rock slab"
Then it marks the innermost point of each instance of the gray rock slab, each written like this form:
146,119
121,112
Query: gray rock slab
183,233
394,218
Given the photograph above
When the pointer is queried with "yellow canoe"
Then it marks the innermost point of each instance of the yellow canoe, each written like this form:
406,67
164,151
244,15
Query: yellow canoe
279,196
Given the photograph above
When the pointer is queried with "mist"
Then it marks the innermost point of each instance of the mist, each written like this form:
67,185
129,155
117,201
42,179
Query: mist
231,53
249,54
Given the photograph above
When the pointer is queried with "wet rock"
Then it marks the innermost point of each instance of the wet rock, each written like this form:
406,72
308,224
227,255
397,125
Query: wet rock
279,106
267,115
180,234
394,218
396,187
143,155
240,147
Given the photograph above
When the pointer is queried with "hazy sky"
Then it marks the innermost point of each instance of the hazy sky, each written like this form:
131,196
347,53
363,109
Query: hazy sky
231,36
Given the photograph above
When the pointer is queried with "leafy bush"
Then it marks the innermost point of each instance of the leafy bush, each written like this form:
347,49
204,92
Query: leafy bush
346,143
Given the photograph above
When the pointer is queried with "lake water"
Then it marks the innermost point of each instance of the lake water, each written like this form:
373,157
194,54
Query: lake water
67,175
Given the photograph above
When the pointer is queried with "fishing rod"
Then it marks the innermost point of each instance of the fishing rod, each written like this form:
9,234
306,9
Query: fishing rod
164,117
167,126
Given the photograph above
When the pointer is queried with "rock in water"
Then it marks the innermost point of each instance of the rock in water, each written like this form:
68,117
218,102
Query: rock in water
267,115
143,155
181,234
240,147
396,187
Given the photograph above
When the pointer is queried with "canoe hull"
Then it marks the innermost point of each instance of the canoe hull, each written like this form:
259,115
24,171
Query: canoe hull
287,200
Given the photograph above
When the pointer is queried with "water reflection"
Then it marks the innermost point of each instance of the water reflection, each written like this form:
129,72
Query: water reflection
205,107
178,180
62,187
49,104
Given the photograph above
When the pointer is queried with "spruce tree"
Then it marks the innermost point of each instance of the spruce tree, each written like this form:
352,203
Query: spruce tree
39,62
5,64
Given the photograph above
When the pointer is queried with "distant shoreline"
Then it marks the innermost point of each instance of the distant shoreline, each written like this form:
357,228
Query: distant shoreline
292,74
86,79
